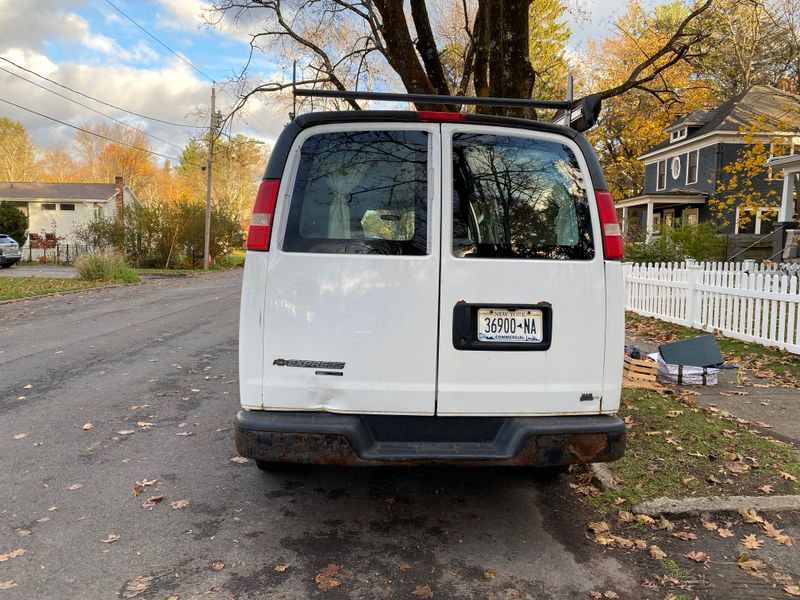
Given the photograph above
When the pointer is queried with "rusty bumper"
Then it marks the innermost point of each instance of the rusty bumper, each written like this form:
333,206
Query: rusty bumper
372,440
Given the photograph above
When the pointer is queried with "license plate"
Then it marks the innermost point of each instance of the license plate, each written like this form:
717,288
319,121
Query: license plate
510,326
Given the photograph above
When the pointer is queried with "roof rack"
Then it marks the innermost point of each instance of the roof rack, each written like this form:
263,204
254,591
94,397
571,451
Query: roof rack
580,115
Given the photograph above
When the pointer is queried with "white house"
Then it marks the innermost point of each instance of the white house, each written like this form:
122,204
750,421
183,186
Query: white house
55,210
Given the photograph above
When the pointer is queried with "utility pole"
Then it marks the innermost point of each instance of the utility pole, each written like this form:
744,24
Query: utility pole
211,135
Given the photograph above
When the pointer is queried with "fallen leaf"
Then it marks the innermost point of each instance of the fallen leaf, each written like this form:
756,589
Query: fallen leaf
281,568
737,468
178,504
750,564
511,593
767,489
403,566
750,516
326,578
752,542
20,436
657,553
619,501
136,586
599,527
685,535
724,533
666,524
110,538
710,525
645,519
152,501
777,534
87,426
126,432
422,591
674,413
7,585
173,597
27,387
792,590
489,575
218,566
12,554
624,516
144,424
788,476
596,595
139,487
610,595
699,557
75,486
239,460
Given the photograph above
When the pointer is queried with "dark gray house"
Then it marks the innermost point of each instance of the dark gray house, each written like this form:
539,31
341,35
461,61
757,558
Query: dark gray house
687,169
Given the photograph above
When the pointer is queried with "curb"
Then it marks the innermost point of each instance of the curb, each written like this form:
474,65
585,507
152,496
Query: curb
716,505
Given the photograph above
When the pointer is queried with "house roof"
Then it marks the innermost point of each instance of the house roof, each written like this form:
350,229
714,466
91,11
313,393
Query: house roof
14,190
777,107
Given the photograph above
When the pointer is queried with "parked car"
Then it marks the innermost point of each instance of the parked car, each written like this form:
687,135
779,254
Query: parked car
427,287
10,254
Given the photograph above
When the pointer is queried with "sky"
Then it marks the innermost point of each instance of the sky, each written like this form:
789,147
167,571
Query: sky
90,47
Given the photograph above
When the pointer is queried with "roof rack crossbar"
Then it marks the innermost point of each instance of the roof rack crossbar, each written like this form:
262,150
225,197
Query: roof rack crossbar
435,99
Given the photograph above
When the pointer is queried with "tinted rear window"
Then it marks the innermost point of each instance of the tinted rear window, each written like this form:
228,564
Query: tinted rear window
518,198
362,192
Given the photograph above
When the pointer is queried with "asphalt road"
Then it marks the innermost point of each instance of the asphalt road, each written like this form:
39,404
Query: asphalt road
159,360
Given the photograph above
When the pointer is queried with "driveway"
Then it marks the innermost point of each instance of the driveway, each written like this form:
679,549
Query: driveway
50,271
103,389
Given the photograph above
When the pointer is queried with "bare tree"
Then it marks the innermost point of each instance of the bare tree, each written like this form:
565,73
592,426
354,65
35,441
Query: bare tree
349,44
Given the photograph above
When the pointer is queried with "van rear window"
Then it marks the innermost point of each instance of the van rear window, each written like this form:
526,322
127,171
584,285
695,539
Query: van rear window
361,192
518,198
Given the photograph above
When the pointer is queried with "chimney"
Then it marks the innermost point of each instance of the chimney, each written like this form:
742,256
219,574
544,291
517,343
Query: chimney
119,183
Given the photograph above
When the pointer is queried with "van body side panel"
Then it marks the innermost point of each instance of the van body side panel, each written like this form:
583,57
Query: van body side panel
615,336
349,331
567,377
251,330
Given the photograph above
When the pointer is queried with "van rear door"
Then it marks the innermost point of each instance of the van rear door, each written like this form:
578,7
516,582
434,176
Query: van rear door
351,307
522,322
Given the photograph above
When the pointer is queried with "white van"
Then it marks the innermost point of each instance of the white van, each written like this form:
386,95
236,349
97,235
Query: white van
431,287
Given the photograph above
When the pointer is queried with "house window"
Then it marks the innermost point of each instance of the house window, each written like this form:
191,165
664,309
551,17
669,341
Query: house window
669,218
692,158
48,206
66,206
755,220
661,175
679,135
691,216
675,167
656,225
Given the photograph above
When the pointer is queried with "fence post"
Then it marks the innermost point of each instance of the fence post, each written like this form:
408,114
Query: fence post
694,272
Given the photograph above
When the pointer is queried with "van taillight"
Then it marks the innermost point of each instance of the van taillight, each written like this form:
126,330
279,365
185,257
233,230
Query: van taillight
612,233
263,213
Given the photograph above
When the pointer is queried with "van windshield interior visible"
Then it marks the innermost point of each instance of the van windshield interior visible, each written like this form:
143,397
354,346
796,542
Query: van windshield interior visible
518,198
362,192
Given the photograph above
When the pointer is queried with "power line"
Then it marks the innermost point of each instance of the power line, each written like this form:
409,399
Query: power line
114,106
124,14
185,60
121,122
100,135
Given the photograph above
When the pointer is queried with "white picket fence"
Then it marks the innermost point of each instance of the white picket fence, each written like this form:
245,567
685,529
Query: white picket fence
745,301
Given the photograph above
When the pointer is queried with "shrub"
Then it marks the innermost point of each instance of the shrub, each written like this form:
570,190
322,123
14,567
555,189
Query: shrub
106,266
13,222
699,242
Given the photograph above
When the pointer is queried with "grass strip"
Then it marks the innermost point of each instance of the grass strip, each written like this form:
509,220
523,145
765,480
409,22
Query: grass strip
678,450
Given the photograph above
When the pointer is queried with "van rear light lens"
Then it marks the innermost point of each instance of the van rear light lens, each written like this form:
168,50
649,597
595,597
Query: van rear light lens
430,115
263,213
612,233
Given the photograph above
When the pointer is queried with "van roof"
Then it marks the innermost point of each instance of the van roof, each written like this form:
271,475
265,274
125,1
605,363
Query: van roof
280,152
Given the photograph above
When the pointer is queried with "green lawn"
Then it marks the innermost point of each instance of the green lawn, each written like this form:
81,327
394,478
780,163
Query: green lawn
679,450
12,288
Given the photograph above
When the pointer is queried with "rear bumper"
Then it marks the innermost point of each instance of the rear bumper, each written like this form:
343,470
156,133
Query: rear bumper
327,438
9,260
